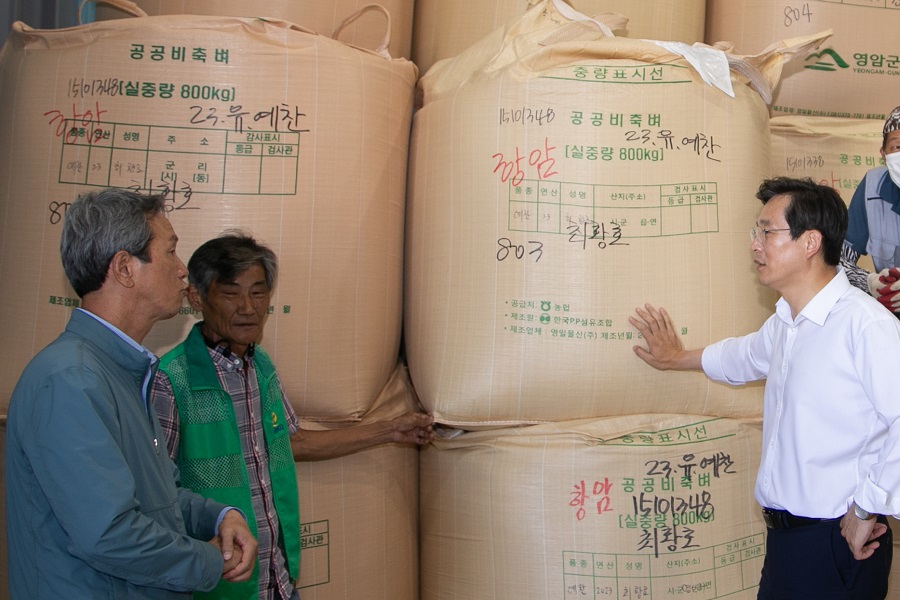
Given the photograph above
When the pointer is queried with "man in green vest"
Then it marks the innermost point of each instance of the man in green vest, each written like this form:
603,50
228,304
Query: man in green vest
227,421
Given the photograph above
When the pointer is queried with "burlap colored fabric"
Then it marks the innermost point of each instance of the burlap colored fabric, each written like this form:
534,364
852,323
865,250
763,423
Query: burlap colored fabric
656,506
359,514
855,74
367,28
831,150
243,123
444,29
554,186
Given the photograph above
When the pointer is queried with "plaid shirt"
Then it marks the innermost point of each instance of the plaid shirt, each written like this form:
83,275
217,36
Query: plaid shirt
238,379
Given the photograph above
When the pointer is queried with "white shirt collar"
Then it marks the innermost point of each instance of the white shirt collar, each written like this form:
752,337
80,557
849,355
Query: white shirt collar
818,308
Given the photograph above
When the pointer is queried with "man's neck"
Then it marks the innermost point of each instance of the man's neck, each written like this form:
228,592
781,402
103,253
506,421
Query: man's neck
799,295
123,317
214,340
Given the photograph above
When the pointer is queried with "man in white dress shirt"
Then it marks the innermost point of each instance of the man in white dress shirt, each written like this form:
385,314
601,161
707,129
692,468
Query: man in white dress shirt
830,464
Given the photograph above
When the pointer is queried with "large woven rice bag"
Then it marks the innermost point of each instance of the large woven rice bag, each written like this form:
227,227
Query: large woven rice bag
444,29
558,179
853,75
355,22
651,506
243,123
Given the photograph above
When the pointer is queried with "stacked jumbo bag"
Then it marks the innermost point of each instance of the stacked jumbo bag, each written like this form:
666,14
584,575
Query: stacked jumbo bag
444,29
559,177
853,75
554,186
833,151
359,514
829,110
245,123
644,506
355,22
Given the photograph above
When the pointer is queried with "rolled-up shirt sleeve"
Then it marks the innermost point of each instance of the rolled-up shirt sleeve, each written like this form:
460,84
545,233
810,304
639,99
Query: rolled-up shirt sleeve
739,360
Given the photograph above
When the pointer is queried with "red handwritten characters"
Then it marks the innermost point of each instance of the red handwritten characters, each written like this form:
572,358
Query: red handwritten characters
600,491
539,158
81,123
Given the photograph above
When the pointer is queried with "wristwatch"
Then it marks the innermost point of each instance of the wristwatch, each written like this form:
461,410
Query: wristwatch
862,513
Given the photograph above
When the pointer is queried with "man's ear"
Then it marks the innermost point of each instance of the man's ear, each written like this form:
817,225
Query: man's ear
813,242
194,298
122,269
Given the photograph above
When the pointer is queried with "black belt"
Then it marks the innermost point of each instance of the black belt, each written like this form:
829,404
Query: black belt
782,519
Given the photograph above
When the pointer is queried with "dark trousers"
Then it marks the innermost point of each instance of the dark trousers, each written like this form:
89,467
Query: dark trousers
815,563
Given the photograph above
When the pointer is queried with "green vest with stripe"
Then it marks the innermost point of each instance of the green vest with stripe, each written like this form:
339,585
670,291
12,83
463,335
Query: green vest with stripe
210,457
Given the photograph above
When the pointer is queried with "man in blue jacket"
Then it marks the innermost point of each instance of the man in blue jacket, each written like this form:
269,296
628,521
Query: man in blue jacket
93,505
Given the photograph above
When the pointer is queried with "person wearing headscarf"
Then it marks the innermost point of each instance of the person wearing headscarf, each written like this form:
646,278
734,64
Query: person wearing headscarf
874,226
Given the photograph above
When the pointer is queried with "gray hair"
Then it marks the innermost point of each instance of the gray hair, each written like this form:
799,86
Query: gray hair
223,258
99,224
